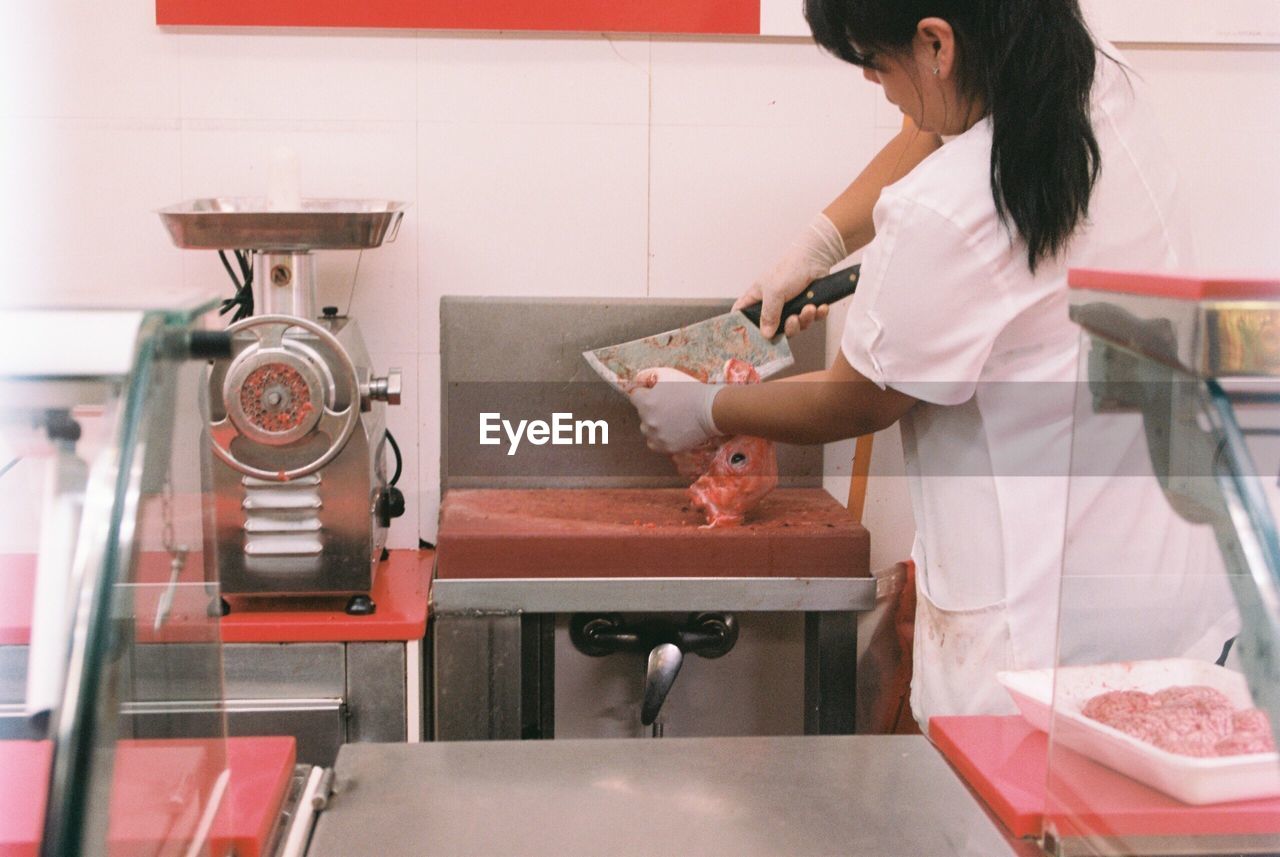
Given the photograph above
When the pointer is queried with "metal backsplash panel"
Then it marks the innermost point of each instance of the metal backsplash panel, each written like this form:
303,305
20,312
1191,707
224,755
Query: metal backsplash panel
521,358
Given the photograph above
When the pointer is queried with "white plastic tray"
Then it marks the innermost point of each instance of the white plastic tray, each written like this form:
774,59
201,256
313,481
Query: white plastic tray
1190,779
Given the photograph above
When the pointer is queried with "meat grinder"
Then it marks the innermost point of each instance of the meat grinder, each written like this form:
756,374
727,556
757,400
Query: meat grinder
297,500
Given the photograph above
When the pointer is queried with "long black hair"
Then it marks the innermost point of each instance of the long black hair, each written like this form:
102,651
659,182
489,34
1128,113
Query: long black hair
1031,63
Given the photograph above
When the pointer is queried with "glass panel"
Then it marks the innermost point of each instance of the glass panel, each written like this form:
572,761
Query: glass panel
111,722
1157,741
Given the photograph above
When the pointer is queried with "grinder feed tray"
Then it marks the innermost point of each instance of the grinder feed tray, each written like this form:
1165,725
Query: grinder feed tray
247,223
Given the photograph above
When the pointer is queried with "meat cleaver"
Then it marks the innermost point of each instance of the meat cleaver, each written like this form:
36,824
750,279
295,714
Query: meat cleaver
703,348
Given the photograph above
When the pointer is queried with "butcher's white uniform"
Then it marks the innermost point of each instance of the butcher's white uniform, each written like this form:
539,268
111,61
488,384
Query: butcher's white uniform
948,312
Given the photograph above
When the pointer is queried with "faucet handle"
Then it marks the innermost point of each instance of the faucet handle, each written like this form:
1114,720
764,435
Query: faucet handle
600,635
664,665
711,635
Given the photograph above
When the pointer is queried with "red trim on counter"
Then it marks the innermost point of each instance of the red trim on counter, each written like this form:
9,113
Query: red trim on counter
638,16
159,789
24,786
1005,760
1187,288
400,589
260,772
145,782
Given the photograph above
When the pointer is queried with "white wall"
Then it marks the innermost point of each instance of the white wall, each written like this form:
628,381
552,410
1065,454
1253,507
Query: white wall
535,165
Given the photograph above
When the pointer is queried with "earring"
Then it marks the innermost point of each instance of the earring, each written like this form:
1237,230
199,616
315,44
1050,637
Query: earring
935,71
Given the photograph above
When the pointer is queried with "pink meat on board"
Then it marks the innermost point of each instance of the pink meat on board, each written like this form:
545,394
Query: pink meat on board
1251,720
1191,720
1191,741
743,471
1194,719
1251,733
1117,703
1245,742
732,475
1191,694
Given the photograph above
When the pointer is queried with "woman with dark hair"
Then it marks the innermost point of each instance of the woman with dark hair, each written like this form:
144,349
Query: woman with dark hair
1032,154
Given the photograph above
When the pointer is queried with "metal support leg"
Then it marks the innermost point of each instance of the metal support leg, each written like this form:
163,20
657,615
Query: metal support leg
830,672
376,692
538,676
477,669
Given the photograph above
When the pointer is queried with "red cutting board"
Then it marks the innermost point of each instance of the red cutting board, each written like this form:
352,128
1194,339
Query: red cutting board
399,589
260,772
145,779
1005,761
643,532
1176,286
24,784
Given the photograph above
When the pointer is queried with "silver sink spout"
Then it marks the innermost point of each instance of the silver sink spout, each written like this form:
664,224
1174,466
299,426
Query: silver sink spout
664,666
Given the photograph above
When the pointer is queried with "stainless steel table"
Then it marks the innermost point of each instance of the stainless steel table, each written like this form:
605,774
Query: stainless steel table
881,796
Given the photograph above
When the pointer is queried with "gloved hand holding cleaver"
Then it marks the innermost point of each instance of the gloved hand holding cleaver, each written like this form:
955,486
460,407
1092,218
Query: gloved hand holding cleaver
702,349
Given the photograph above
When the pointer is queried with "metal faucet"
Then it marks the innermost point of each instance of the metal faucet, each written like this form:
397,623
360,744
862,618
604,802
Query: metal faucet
667,640
664,665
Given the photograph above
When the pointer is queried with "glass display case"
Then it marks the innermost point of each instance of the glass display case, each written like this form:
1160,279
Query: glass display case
1163,709
112,731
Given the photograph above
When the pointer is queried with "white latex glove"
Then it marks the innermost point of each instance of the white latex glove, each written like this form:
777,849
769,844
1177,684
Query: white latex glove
812,254
675,409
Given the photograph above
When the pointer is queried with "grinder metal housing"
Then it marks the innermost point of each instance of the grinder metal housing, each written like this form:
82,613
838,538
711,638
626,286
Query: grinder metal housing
296,498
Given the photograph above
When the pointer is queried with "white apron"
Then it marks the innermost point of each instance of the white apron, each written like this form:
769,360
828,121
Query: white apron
956,655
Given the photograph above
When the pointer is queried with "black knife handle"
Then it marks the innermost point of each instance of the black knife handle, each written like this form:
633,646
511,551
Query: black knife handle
824,290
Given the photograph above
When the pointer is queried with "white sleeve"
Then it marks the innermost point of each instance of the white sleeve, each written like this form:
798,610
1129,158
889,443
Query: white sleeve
928,306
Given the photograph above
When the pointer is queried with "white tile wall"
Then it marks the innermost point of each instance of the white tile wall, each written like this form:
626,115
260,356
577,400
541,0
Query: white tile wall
295,75
78,221
529,209
726,200
745,82
1218,109
342,158
540,165
87,59
503,78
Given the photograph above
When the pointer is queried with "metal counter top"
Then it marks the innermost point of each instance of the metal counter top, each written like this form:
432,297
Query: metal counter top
881,796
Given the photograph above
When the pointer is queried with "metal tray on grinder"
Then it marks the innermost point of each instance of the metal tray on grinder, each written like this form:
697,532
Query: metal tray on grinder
246,223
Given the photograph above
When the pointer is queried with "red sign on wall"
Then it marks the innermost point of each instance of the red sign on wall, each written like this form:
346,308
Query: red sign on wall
730,17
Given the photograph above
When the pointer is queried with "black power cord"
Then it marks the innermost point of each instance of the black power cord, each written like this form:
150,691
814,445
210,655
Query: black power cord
395,447
391,498
242,303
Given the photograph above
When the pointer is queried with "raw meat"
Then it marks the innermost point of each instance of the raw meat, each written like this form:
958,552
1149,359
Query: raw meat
741,473
1251,720
730,475
1251,733
1191,694
1190,720
1117,703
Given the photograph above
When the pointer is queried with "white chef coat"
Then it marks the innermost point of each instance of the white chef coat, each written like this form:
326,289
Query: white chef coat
948,312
